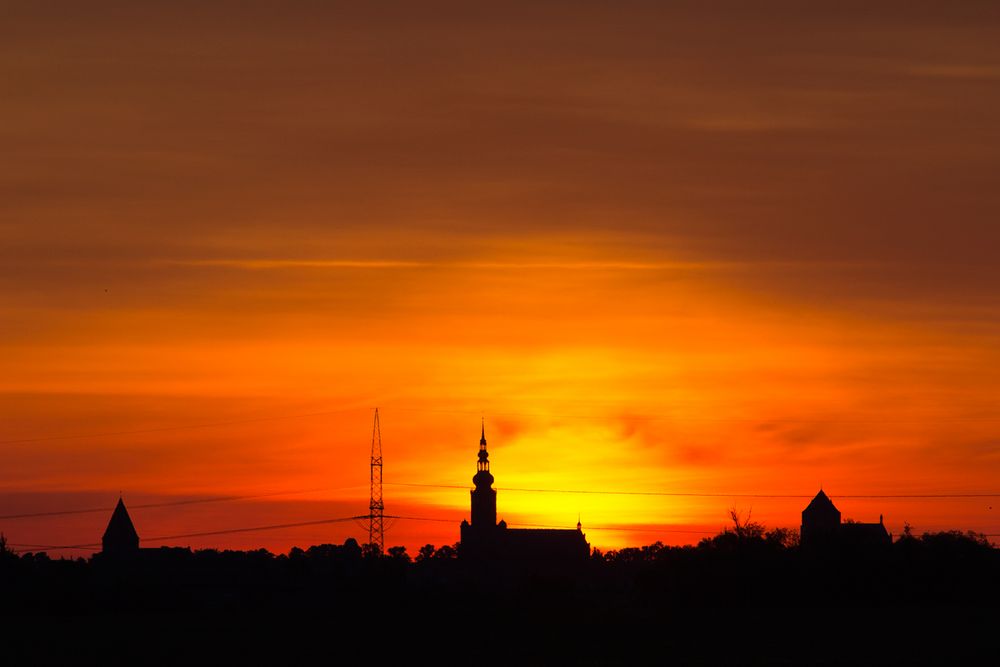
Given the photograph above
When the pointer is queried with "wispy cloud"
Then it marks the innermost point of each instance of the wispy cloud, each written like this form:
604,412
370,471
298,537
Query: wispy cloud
757,122
957,71
262,264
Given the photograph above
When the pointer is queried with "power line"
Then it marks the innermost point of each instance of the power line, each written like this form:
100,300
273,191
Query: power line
277,526
209,533
624,528
174,503
546,525
681,494
94,546
667,494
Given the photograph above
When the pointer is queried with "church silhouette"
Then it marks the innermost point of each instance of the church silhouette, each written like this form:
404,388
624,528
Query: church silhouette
120,538
822,528
483,538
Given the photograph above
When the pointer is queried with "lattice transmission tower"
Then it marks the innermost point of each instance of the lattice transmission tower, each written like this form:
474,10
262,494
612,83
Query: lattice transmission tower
376,531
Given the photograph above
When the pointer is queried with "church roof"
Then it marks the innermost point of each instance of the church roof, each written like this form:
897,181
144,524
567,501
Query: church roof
120,529
820,502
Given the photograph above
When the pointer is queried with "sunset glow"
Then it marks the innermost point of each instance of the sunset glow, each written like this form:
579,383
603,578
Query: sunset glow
217,260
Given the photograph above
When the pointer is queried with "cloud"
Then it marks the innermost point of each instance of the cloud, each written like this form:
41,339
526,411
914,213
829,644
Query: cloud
261,264
951,71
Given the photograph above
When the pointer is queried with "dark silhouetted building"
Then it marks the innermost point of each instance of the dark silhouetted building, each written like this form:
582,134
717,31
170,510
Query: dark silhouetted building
484,538
822,527
820,520
120,538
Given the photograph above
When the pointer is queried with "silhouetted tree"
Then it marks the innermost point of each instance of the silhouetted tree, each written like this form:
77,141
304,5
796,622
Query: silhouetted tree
955,541
446,552
744,533
352,549
745,529
649,552
785,538
425,552
399,553
628,555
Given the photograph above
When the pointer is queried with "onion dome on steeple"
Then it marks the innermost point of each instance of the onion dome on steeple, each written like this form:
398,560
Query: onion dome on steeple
483,477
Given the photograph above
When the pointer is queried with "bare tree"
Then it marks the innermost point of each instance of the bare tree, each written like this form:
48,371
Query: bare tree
745,529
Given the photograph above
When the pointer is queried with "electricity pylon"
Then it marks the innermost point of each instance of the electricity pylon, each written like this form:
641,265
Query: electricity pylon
376,532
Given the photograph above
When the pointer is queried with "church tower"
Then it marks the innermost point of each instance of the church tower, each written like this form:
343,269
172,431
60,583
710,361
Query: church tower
120,537
484,496
820,521
483,539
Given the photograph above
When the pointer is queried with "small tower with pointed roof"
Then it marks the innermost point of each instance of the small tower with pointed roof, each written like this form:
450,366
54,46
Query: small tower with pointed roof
120,537
820,520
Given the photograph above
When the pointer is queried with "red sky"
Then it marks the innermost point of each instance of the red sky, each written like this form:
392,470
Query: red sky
704,248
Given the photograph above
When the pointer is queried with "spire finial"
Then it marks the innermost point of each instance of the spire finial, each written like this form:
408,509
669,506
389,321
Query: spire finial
482,439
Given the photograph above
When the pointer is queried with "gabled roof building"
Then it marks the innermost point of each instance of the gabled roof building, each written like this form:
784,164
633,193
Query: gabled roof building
822,527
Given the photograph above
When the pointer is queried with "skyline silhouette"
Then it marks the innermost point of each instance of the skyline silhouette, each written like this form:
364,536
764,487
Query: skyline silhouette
619,605
822,524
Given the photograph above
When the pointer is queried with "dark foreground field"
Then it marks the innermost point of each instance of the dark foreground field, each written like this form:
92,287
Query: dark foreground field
547,634
929,600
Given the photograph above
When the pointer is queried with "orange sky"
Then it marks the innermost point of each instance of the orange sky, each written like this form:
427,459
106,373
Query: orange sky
722,250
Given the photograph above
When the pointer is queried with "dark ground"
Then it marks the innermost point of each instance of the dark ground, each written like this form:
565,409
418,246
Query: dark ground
928,600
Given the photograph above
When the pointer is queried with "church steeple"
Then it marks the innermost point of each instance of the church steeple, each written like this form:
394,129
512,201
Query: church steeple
484,456
484,496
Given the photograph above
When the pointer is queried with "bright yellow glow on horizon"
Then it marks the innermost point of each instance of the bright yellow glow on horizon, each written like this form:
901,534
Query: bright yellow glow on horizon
653,261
